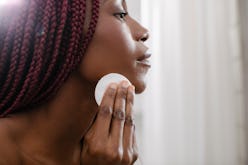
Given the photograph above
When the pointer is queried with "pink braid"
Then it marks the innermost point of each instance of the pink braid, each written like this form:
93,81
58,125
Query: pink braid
23,60
40,49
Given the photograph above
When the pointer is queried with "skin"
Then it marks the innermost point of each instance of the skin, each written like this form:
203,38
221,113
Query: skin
71,128
120,39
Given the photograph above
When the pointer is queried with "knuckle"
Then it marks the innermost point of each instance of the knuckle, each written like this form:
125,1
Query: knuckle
110,93
93,150
129,120
88,137
119,115
114,155
122,93
127,157
105,110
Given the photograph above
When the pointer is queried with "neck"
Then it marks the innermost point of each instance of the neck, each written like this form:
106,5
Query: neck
58,127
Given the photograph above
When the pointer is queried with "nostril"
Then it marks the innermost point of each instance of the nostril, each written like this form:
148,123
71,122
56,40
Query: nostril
144,37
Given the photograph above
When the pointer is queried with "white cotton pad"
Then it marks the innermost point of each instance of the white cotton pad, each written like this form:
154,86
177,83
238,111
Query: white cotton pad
104,82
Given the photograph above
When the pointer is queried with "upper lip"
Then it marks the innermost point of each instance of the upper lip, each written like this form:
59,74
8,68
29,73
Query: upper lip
144,56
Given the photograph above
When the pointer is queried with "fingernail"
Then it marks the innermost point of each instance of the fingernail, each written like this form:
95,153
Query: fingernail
113,86
132,88
125,84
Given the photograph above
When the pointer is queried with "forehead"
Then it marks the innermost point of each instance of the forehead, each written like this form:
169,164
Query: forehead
119,1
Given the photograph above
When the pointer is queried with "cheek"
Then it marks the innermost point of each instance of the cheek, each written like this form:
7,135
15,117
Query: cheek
115,36
112,50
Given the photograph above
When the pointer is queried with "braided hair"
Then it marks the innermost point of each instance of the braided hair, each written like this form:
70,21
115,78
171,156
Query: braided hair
40,45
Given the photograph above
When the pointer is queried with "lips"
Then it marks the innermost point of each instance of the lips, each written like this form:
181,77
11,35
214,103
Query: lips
143,60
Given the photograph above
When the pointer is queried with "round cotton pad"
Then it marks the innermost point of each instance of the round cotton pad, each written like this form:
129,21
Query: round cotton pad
104,82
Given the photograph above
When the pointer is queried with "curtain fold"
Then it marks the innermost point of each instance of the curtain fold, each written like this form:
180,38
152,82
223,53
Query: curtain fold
193,109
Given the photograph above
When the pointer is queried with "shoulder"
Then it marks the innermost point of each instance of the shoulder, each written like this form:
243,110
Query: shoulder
8,151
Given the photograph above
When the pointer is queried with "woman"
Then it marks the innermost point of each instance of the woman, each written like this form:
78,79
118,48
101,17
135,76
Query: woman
49,115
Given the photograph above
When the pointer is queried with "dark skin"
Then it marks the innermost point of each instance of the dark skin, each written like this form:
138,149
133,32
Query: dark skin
71,128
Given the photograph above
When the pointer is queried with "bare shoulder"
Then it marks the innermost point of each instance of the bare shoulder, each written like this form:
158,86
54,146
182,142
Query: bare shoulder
8,151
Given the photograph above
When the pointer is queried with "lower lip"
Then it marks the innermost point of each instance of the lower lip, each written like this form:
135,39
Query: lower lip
144,63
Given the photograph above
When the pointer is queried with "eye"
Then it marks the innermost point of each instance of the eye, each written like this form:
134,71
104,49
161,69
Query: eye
121,15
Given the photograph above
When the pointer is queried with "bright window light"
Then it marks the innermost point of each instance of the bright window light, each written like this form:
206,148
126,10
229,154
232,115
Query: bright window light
9,2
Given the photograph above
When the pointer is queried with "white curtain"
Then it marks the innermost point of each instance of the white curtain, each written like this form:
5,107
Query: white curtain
192,112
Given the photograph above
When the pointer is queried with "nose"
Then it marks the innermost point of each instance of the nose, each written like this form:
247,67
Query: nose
145,36
140,33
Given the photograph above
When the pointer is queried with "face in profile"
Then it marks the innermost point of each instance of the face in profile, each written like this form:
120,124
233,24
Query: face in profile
117,46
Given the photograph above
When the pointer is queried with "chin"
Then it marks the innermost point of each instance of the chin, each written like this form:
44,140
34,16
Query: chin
140,87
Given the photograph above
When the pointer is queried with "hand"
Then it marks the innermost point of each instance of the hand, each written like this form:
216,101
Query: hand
111,139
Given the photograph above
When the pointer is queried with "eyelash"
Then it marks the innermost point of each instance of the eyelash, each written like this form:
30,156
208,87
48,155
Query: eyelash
121,15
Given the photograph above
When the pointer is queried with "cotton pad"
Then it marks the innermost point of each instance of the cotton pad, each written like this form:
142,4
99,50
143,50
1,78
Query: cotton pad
104,82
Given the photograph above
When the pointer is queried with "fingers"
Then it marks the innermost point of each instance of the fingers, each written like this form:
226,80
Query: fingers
128,128
135,148
118,119
112,137
104,117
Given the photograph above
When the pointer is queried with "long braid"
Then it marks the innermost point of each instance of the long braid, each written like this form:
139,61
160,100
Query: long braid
39,58
7,29
57,53
40,53
73,45
40,50
34,74
63,75
91,29
6,46
78,47
23,61
42,73
14,60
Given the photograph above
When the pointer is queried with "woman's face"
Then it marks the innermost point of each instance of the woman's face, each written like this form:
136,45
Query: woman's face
117,46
